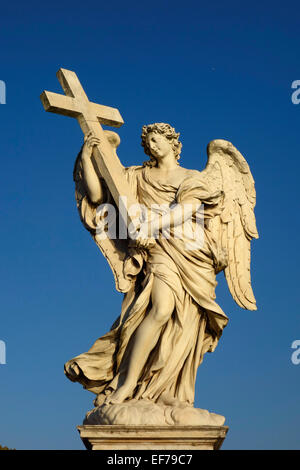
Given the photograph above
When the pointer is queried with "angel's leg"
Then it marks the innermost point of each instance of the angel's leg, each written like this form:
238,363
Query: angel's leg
146,338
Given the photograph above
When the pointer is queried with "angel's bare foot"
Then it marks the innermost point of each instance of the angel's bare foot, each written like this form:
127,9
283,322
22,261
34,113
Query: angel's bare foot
121,393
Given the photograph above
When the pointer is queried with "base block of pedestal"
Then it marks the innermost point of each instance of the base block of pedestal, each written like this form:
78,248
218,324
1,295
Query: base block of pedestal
121,437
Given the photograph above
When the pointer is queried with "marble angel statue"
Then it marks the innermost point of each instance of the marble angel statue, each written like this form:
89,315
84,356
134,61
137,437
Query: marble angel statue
169,318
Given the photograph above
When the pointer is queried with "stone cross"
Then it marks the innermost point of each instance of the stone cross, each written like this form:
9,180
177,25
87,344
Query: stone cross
90,116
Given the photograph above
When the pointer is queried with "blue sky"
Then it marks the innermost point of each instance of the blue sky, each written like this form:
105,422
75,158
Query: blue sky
210,69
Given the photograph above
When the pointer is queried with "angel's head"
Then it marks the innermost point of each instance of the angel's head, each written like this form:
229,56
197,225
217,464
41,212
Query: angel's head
159,139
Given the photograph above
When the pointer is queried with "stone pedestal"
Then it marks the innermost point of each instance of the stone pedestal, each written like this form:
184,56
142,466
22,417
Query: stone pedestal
121,437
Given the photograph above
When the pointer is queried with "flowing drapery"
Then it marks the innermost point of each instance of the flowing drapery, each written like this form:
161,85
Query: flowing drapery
197,321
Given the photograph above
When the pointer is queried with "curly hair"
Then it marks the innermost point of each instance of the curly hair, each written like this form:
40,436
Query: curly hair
167,131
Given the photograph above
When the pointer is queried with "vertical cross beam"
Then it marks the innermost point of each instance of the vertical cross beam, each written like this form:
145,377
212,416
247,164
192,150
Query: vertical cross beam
90,116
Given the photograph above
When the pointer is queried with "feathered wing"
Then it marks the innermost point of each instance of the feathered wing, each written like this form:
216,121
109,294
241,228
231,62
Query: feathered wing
234,229
114,249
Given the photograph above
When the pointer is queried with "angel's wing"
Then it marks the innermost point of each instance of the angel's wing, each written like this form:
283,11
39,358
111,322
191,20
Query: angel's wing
115,250
235,227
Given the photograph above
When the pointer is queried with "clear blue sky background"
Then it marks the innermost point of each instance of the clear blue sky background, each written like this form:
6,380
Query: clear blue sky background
212,70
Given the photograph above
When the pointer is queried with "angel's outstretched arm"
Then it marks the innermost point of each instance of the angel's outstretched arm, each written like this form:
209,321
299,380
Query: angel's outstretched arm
176,215
90,176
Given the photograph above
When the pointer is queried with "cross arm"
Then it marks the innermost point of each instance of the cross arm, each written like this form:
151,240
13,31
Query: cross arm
67,106
59,104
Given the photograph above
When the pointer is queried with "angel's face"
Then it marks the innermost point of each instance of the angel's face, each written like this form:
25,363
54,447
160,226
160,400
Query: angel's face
159,145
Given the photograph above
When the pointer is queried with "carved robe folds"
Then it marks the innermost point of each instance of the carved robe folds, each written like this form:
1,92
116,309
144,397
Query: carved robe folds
197,321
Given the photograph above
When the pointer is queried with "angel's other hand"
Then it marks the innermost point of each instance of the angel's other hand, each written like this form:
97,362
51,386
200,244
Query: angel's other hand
145,243
143,239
